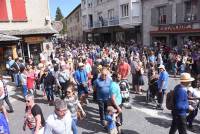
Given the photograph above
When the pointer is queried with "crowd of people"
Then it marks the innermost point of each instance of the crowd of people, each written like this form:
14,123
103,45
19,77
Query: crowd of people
72,71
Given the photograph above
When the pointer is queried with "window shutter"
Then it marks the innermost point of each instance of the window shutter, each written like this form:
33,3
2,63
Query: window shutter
3,11
169,14
18,10
198,10
179,12
154,16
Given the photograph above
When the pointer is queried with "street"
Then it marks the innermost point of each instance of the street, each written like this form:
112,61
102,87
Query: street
141,119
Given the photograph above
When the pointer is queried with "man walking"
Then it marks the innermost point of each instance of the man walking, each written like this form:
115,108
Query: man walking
102,87
81,78
162,86
181,106
6,98
60,122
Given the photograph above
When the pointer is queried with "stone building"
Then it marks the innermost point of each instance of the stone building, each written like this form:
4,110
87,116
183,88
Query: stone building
74,24
171,22
111,20
30,21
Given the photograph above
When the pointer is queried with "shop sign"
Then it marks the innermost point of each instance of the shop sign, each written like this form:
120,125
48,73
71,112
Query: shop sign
34,39
175,28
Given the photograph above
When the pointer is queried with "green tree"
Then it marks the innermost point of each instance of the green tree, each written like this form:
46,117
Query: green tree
59,15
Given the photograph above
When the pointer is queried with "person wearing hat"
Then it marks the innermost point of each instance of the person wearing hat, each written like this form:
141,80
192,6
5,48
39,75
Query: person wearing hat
162,86
81,79
181,106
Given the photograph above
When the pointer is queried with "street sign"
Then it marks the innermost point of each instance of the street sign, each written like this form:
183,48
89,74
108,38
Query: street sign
57,25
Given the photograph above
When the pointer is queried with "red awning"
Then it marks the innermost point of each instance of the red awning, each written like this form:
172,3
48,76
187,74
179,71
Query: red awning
3,12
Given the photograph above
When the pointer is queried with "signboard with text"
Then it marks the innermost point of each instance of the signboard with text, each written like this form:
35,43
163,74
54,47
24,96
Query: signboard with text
175,28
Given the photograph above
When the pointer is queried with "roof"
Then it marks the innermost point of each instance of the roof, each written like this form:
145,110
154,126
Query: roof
79,6
5,38
29,31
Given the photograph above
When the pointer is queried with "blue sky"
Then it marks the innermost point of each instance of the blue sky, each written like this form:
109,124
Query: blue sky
66,6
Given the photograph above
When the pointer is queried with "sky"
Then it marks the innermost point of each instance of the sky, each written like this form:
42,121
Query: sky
66,6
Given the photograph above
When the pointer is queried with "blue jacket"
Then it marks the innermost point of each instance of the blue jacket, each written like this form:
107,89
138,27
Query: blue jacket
181,100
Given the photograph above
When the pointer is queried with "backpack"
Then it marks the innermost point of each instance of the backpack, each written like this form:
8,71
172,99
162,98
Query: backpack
170,100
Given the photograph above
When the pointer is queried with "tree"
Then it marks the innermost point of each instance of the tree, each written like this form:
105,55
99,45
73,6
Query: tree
59,15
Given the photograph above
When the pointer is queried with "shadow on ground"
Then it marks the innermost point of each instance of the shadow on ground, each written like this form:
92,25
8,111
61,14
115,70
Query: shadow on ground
159,122
140,101
91,122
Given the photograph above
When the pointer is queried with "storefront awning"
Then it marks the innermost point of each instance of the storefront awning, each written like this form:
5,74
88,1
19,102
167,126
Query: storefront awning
7,38
37,31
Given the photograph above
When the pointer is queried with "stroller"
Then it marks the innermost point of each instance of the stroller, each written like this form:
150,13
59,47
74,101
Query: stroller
152,90
195,103
124,86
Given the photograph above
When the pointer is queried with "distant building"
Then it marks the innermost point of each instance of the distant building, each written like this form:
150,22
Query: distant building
74,24
171,22
30,21
111,20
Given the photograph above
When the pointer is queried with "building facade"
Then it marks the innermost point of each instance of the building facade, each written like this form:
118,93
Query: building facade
74,24
171,22
111,20
30,21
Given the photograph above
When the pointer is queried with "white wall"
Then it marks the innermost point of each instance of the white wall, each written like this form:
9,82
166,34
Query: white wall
36,11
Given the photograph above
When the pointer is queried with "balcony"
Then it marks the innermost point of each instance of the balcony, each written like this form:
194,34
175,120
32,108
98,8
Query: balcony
106,23
190,18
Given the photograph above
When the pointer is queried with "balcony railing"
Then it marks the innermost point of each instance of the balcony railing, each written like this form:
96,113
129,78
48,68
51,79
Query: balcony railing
106,23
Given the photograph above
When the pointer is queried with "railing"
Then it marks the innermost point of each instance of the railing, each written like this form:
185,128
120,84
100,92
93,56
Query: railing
106,23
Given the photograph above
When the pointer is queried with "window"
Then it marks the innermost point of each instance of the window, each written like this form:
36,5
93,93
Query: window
111,14
162,15
77,16
3,12
99,2
190,10
18,10
124,10
84,2
84,20
136,8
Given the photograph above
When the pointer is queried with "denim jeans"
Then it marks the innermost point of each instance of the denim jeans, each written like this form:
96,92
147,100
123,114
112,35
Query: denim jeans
178,122
102,109
24,90
74,126
49,92
16,79
161,97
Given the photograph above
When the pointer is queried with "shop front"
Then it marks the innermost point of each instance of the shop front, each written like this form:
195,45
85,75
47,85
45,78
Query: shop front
8,47
176,35
32,47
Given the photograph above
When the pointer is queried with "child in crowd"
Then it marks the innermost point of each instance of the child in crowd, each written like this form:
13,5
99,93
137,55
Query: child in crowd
111,120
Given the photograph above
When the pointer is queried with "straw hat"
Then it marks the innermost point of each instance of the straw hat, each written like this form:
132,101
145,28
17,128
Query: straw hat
186,77
80,64
161,66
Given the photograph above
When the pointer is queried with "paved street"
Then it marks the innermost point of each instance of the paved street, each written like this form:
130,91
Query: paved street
141,119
